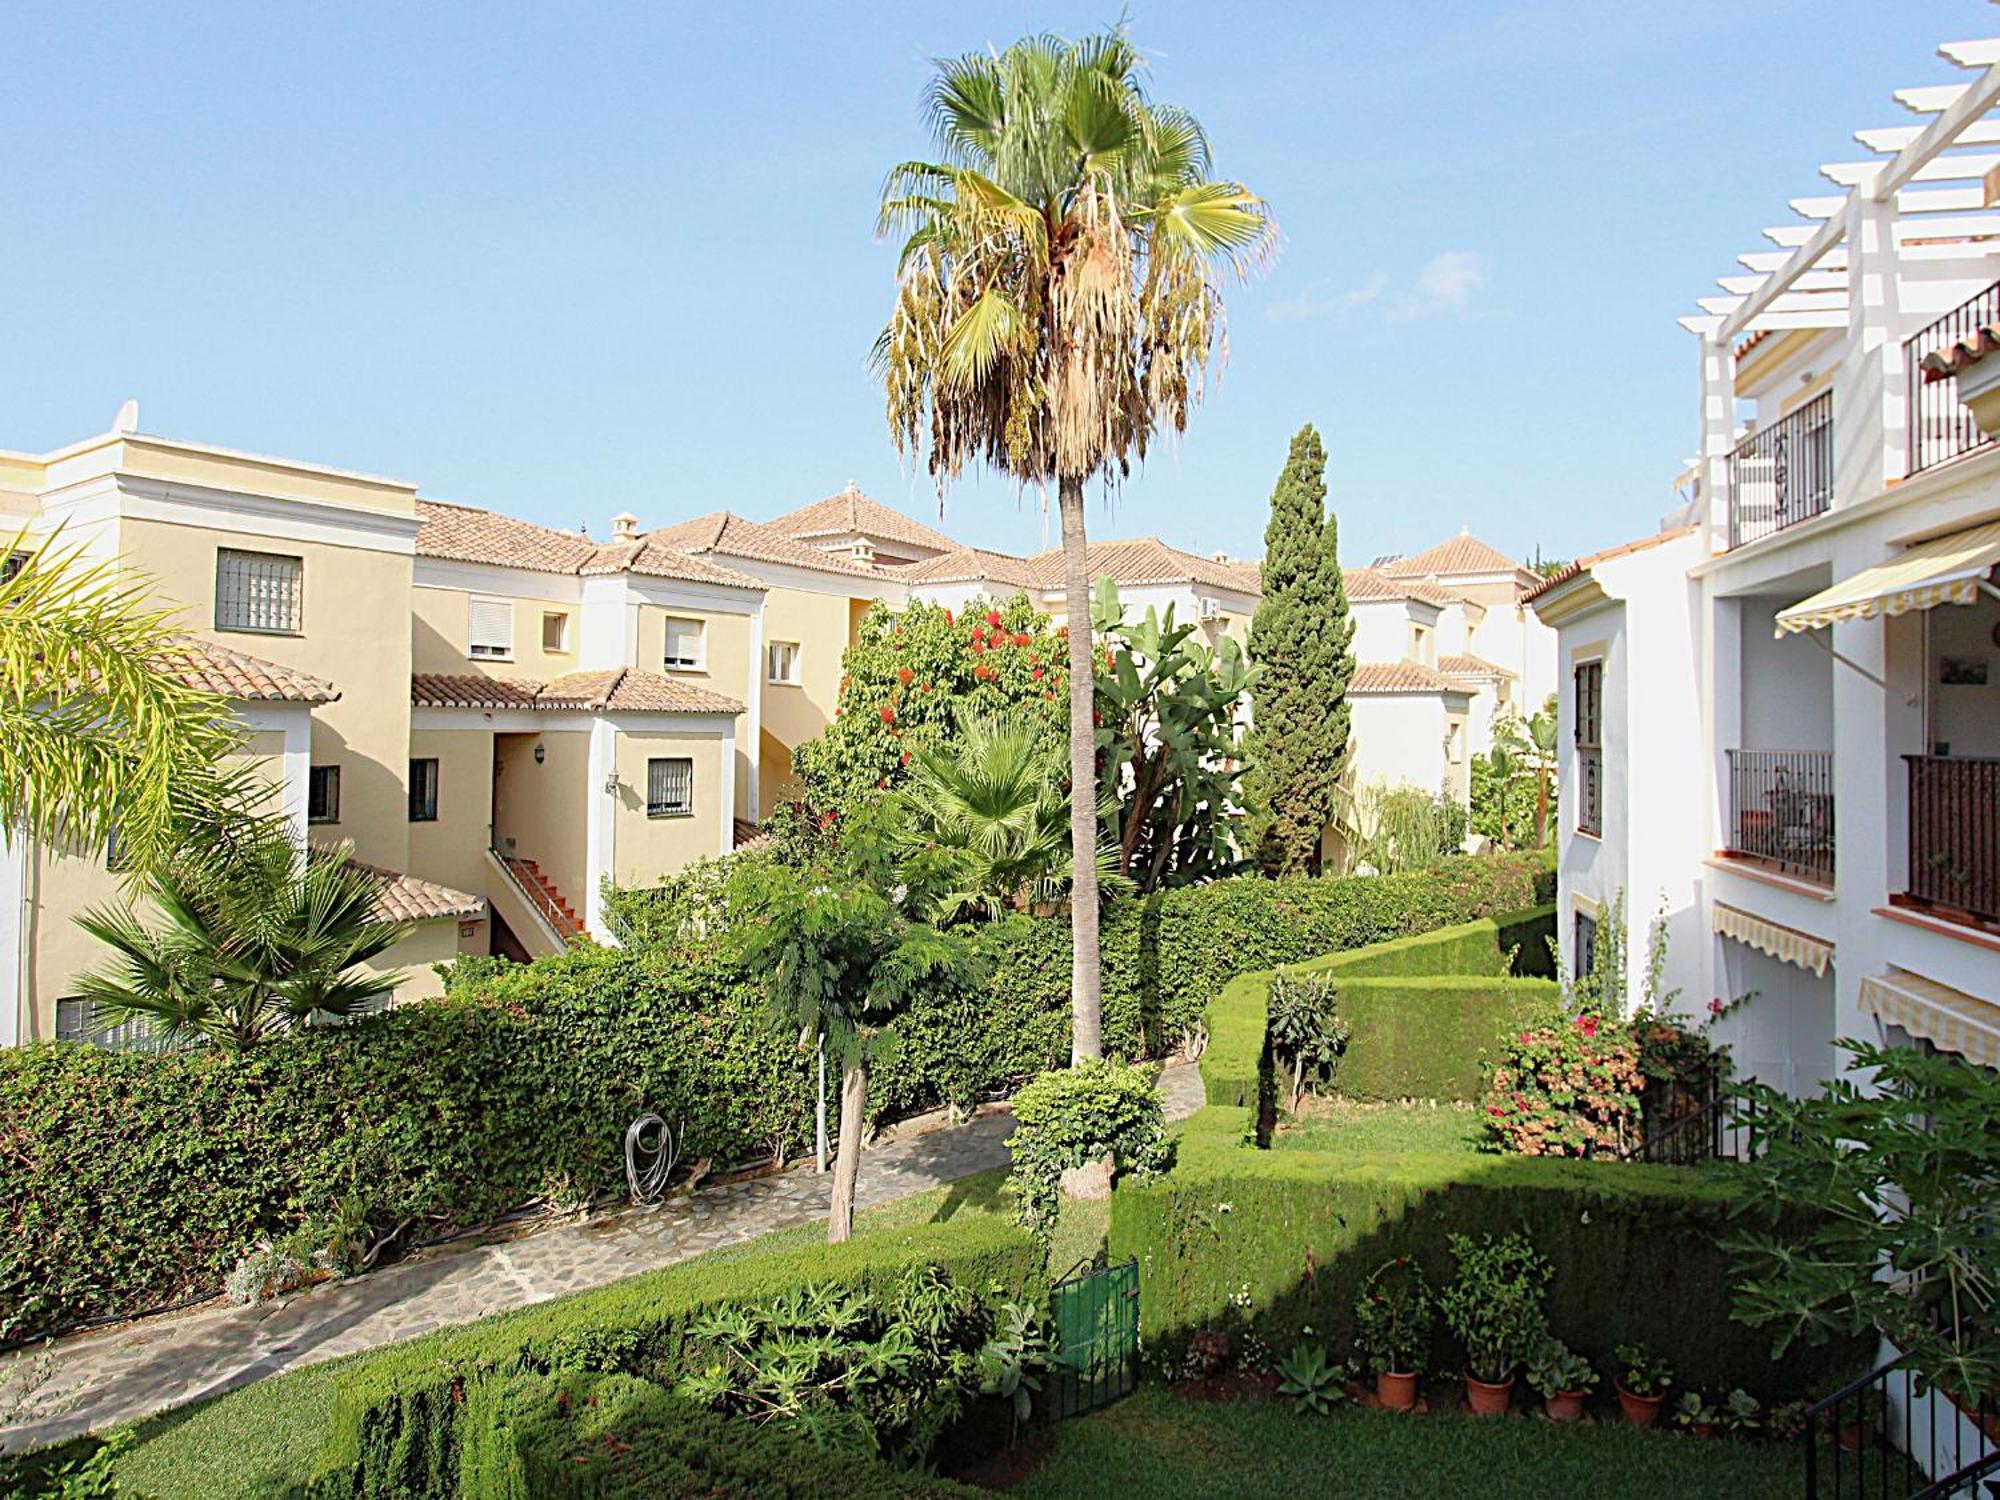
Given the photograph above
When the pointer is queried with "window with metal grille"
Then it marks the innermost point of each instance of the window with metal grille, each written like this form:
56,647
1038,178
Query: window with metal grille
323,794
424,790
669,787
555,632
12,564
1583,957
683,643
1589,709
259,591
489,630
784,661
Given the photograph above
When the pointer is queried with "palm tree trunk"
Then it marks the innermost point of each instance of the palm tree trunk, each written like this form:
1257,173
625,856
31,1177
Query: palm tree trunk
1086,1016
847,1161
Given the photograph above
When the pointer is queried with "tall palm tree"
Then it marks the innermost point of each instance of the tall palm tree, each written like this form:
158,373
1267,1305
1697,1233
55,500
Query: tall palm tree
257,936
1057,306
94,737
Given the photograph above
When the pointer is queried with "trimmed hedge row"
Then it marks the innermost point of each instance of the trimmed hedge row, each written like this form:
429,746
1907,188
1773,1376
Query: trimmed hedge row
134,1180
614,1437
1634,1250
399,1417
1421,1009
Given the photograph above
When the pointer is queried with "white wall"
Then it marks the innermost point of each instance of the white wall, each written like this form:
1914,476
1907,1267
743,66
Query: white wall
1398,738
1786,683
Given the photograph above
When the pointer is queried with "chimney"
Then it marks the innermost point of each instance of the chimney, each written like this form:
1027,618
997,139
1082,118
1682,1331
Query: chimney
625,527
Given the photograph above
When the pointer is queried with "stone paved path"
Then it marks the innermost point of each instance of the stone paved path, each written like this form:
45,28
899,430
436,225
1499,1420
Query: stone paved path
100,1379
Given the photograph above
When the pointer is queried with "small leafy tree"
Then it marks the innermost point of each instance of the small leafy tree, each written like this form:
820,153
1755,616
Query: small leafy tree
1494,1307
1075,1117
1306,1027
256,936
841,961
1879,1202
1393,1318
1393,829
1168,708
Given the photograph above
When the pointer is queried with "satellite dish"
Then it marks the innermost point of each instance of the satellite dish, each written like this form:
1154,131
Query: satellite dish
127,419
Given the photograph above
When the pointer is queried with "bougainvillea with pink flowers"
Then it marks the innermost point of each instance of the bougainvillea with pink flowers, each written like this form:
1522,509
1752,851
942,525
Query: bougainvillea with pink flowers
1569,1088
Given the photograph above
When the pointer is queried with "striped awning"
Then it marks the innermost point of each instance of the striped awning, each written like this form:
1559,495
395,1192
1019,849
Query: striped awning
1948,1018
1944,570
1786,944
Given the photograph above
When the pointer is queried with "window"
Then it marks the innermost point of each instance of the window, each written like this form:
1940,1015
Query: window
323,794
1583,954
11,564
260,591
1590,747
424,790
555,632
683,644
669,788
489,631
784,661
1454,741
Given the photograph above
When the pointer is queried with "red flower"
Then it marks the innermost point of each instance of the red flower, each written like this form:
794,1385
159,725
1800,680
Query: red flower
888,713
1036,675
1062,632
948,619
906,757
993,618
1587,1025
1715,1006
1022,638
903,675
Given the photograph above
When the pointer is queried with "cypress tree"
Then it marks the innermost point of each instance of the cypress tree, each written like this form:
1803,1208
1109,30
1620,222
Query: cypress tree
1300,638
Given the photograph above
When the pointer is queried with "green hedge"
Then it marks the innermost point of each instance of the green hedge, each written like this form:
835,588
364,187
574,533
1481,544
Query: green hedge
398,1415
133,1180
614,1437
1634,1250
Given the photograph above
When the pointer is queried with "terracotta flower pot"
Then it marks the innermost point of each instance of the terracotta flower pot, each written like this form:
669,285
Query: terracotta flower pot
1855,1436
1640,1411
1566,1406
1486,1398
1396,1392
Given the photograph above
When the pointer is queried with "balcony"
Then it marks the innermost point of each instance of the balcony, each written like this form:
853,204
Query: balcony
1955,836
1780,811
1782,474
1941,428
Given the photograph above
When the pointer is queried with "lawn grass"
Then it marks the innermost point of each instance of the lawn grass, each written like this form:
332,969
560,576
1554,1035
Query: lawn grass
1344,1126
255,1443
1164,1447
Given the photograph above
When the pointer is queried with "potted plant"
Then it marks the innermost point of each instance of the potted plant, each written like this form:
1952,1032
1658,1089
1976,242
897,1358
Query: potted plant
1697,1414
1641,1383
1563,1377
1494,1309
1393,1321
1742,1412
1857,1422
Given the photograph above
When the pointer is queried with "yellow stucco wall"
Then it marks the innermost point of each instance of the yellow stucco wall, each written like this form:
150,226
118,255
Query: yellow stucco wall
544,808
725,667
430,943
647,849
232,471
439,622
821,625
451,850
357,636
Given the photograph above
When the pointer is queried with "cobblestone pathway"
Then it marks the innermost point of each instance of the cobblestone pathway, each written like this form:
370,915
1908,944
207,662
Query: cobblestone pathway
100,1379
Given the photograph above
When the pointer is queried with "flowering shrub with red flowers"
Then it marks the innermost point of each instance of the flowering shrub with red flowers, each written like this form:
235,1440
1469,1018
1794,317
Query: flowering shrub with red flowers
1568,1088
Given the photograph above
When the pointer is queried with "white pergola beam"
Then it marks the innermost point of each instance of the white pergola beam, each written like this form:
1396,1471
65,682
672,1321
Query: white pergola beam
1730,307
1776,322
1889,139
1980,54
1809,281
1772,260
1791,235
1932,99
1968,226
1853,174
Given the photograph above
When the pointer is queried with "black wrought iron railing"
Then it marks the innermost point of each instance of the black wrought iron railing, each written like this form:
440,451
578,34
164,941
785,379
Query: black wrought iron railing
1782,474
1885,1437
1781,810
1955,833
1941,429
1687,1126
1096,1314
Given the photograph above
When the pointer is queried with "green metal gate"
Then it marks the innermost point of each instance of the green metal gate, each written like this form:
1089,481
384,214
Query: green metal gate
1097,1333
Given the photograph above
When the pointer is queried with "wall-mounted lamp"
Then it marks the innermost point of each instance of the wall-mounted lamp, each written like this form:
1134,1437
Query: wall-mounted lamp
611,785
541,754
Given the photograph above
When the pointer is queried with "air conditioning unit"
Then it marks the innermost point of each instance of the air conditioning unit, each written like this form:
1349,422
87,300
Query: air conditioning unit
1209,609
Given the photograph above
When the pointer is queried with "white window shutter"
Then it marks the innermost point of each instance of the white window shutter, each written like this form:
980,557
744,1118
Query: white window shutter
490,631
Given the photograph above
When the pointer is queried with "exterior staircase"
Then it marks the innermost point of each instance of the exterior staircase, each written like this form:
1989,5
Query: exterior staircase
547,899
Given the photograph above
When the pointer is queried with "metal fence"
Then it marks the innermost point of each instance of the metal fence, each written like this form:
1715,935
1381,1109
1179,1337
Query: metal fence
1781,809
1955,833
1941,428
1097,1333
1782,474
1886,1437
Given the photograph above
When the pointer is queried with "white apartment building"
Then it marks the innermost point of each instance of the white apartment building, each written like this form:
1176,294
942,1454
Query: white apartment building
1782,720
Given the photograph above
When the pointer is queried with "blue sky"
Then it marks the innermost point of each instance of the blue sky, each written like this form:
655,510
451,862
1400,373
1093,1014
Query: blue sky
566,260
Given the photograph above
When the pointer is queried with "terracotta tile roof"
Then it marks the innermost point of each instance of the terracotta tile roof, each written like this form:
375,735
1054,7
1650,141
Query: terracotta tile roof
1401,677
1968,349
1372,585
463,534
1463,554
405,898
726,535
973,565
236,674
1472,666
1142,560
851,513
618,689
1585,564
